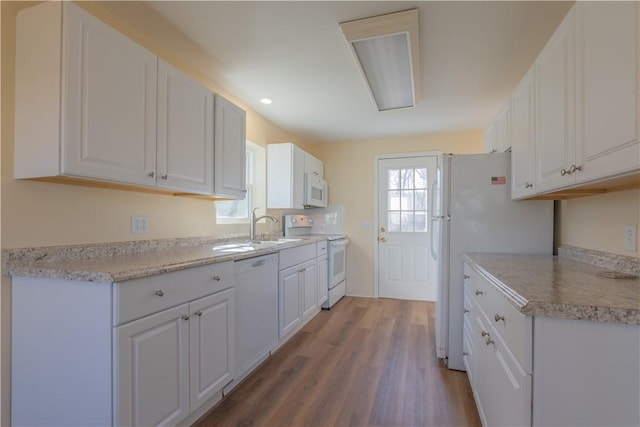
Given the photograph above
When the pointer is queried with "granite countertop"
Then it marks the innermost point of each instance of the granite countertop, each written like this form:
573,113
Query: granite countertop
107,263
540,285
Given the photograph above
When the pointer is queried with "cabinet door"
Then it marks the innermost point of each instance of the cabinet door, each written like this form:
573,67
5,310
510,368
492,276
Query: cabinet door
555,108
185,132
323,279
490,139
109,113
608,85
230,150
152,369
212,345
297,179
503,129
522,138
310,287
289,300
313,165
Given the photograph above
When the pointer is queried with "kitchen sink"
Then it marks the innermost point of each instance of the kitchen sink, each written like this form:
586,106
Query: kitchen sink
250,246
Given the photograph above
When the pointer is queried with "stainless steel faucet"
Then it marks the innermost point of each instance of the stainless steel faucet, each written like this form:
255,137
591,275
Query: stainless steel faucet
254,220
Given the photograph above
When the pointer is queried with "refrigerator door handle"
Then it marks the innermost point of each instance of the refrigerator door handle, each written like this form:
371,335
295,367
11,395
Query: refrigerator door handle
434,222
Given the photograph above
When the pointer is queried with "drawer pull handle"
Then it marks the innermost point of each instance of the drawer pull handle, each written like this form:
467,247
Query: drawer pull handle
151,174
217,278
564,172
165,177
466,311
489,341
527,185
198,313
464,353
466,276
498,318
185,317
478,292
160,293
484,333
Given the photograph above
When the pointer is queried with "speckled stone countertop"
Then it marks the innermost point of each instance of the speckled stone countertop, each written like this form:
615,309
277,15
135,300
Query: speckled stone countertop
117,262
552,286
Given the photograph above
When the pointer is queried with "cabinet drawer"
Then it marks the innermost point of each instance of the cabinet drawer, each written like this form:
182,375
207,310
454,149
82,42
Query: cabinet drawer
297,255
321,248
136,298
514,327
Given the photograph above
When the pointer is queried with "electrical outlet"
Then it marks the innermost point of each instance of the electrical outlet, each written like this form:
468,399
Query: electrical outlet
139,224
630,237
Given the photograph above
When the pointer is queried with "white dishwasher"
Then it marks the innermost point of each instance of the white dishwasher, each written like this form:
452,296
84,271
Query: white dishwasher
256,328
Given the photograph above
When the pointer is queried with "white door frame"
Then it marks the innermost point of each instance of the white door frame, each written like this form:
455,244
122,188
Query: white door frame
376,162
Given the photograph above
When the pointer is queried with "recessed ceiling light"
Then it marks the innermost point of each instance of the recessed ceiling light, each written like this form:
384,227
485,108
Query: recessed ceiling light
266,101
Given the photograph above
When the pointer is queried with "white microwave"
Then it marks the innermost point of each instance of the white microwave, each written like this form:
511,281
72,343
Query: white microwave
315,192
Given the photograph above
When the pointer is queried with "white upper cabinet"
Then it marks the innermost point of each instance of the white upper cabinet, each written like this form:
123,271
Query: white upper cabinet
93,104
522,138
313,165
555,109
230,150
85,98
587,97
490,138
185,132
285,176
497,136
503,129
608,88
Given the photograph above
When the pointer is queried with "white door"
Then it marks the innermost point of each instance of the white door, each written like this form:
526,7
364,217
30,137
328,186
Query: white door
153,369
110,103
289,300
310,283
212,345
185,132
230,149
404,264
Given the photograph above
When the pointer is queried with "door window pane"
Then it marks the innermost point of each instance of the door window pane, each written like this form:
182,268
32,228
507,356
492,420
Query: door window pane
407,200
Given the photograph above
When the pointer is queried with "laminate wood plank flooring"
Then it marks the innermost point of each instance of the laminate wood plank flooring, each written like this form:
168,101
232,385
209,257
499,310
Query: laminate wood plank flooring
365,362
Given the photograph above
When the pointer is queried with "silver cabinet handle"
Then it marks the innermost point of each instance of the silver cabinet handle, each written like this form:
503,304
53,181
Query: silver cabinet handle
244,191
466,276
217,278
198,313
466,311
489,341
151,174
484,333
160,293
564,172
185,317
464,353
498,318
574,168
527,185
164,177
478,292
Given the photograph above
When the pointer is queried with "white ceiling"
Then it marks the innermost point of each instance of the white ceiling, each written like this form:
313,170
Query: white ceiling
472,55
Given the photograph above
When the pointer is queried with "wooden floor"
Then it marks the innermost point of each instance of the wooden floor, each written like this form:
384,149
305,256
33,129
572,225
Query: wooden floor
366,362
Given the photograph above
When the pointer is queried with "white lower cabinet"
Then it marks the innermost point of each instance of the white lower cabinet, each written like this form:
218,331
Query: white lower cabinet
152,373
501,387
323,271
297,288
151,351
545,371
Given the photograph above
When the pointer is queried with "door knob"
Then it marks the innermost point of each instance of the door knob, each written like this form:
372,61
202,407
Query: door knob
382,239
382,229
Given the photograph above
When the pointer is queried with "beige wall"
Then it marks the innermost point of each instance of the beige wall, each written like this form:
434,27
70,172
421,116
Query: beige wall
349,168
597,222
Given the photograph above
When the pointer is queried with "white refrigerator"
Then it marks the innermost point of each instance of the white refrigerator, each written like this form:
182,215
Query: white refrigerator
472,211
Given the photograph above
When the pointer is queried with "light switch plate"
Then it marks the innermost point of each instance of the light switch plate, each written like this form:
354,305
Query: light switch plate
631,237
